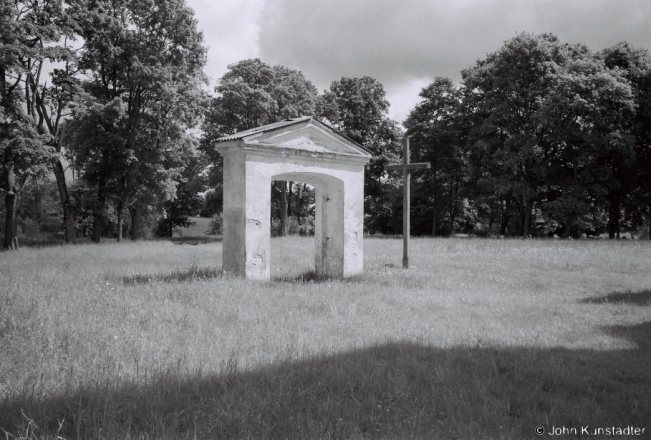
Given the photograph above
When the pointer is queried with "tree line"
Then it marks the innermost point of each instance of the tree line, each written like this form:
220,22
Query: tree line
125,85
539,138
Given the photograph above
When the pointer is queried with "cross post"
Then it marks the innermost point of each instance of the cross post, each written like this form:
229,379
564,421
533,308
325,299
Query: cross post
406,168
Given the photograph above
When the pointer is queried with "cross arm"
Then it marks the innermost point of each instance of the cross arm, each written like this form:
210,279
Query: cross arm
411,166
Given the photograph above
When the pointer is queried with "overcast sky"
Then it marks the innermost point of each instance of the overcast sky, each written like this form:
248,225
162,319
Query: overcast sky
402,43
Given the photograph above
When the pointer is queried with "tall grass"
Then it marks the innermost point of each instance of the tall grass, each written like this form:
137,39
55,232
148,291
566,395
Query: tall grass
479,339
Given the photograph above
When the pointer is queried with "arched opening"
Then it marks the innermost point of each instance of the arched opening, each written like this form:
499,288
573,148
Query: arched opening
292,208
291,249
328,220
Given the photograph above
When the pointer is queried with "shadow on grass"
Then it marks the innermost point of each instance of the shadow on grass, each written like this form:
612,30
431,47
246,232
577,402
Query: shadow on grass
311,277
197,273
194,241
641,298
192,274
392,390
40,242
49,242
308,277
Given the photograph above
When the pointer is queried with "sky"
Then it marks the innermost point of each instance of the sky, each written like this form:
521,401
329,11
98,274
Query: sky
404,44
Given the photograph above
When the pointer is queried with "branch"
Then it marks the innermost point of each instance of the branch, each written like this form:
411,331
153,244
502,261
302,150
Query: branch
59,111
61,137
20,77
41,105
25,179
41,117
36,81
30,108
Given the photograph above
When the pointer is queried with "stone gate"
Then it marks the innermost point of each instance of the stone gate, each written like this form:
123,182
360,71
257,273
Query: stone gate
301,150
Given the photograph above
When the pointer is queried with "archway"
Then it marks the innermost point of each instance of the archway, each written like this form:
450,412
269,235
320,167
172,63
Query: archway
303,150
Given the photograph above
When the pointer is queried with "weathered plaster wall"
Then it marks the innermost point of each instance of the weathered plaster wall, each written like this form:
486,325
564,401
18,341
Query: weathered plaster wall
247,203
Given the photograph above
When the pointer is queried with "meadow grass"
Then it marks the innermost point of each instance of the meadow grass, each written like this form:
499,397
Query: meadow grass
198,228
479,339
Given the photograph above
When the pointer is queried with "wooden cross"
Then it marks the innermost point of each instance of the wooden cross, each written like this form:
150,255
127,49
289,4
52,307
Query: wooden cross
406,168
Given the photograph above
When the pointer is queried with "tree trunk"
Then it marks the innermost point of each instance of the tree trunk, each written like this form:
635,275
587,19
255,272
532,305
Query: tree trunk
299,213
435,210
66,202
3,82
283,208
435,221
613,217
490,216
38,202
120,211
611,230
12,199
526,227
568,226
453,207
289,199
98,218
505,218
99,211
11,208
96,232
69,222
136,222
521,210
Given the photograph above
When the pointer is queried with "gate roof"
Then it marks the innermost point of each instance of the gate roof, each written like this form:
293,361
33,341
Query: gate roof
303,136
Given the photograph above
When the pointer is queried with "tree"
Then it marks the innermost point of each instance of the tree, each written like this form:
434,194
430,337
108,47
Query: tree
23,154
551,128
634,64
29,35
503,96
251,94
435,126
51,102
358,107
54,109
98,135
145,60
188,202
586,112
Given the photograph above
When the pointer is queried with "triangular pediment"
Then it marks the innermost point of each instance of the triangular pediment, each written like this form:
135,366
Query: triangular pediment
308,136
302,135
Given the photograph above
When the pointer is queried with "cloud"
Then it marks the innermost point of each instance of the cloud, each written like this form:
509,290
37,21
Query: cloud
404,96
402,43
230,29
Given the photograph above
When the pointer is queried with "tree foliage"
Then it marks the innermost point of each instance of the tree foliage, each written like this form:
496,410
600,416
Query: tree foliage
31,34
358,108
634,64
188,201
436,129
540,137
251,94
145,60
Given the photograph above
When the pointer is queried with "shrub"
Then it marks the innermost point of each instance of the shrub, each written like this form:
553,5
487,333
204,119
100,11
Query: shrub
216,225
295,226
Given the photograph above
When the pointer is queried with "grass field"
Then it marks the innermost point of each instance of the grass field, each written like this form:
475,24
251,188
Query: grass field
199,227
479,339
